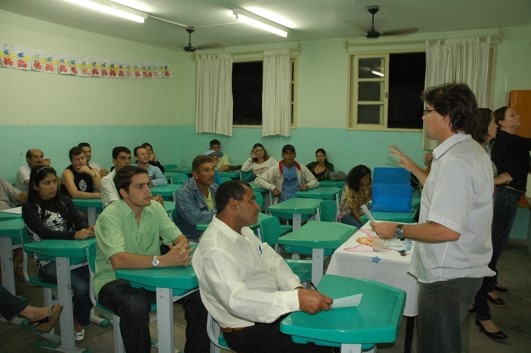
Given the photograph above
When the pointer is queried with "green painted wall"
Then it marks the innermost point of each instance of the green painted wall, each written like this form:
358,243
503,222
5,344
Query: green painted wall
55,112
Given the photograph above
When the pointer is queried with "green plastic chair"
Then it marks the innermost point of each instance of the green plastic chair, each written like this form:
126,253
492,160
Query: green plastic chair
259,199
179,178
328,210
117,336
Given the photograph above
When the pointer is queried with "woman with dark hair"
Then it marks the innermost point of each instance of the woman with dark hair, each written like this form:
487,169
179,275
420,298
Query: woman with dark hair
510,154
259,160
50,215
357,192
322,169
485,133
152,156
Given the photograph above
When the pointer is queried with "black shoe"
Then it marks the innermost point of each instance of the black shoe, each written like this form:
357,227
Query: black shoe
500,289
497,301
498,335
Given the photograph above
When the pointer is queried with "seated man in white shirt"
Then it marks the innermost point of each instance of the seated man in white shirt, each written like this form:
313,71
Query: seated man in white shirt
10,196
34,157
88,153
121,156
155,175
244,284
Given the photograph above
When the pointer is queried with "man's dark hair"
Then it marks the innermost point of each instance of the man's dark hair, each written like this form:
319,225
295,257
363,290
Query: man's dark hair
137,148
196,163
123,178
75,151
457,101
232,189
84,144
118,149
214,142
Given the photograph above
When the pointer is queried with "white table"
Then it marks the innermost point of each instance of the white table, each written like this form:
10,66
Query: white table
356,260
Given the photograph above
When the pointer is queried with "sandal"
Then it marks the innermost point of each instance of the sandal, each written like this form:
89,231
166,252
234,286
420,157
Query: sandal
46,324
79,335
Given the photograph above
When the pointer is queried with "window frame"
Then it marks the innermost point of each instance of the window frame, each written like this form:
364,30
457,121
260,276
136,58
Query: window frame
353,101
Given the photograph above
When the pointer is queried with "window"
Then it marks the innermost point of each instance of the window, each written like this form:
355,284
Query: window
247,80
385,91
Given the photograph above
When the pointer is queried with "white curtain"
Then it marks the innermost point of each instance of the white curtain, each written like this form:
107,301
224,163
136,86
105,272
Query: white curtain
458,60
276,93
214,94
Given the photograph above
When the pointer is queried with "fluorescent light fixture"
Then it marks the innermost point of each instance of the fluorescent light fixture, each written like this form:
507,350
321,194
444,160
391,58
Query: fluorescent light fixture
111,8
260,22
377,73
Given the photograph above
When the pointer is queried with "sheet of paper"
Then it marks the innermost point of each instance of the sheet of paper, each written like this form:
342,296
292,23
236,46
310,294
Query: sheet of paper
16,210
347,302
365,210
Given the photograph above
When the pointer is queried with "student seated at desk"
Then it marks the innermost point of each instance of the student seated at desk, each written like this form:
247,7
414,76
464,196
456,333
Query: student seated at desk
155,175
12,197
194,201
127,233
79,181
245,285
321,168
153,160
121,156
34,157
223,164
41,318
287,177
50,215
88,153
259,161
356,192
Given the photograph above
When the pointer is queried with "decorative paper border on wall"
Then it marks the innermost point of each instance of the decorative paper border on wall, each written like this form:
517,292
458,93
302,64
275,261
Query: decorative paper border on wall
12,57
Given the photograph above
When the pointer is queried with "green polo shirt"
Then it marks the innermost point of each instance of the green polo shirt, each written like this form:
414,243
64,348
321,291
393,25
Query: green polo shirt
117,231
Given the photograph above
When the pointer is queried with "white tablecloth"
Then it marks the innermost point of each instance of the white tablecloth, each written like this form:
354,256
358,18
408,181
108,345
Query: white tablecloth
356,260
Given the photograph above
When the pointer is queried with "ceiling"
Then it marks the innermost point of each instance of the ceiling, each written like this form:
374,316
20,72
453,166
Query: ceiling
307,19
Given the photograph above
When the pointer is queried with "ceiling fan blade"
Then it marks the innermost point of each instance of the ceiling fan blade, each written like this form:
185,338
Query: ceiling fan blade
402,31
210,46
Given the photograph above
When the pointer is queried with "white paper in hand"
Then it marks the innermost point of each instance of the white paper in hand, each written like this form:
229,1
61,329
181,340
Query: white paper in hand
365,210
347,302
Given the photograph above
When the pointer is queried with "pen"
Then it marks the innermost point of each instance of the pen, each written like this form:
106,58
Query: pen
313,285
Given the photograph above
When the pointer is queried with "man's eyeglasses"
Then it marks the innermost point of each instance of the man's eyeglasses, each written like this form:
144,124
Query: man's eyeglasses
427,111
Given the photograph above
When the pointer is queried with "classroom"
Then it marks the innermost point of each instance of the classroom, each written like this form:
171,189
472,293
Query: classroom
55,112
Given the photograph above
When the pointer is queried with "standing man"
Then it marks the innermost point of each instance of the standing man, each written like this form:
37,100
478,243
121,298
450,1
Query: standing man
194,201
453,242
121,156
79,181
287,177
155,175
34,157
245,285
88,153
223,163
127,233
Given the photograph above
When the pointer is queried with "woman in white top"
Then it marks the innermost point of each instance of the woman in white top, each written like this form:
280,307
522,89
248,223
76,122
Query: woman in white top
259,161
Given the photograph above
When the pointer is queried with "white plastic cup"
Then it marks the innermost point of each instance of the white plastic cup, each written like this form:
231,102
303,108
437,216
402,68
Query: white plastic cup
378,244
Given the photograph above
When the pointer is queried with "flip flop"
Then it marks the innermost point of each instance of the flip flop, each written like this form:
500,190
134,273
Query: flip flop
46,324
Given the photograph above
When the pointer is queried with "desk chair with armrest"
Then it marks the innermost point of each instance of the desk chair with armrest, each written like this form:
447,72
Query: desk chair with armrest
217,340
118,342
179,178
270,231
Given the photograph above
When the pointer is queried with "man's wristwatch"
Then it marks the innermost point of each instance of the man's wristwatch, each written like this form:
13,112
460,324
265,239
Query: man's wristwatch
155,261
93,174
399,232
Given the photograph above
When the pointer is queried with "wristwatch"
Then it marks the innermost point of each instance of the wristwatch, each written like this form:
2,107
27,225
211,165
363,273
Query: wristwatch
155,261
399,232
93,174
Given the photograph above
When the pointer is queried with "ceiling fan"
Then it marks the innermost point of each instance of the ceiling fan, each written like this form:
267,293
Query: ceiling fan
190,48
373,33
